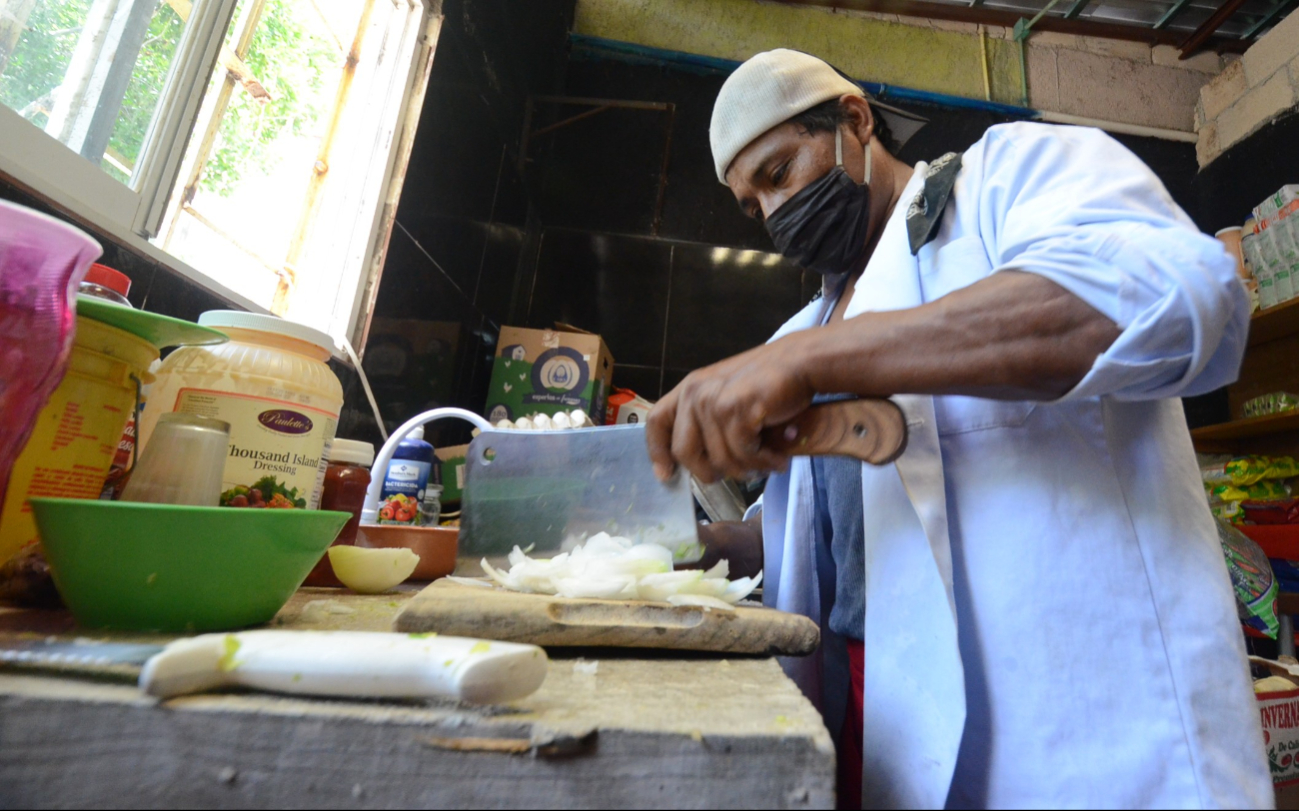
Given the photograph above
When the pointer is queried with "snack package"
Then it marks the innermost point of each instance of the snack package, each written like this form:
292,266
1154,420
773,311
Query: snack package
1247,470
1268,490
1252,579
1268,404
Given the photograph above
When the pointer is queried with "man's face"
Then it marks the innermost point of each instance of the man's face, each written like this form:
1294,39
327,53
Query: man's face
780,162
778,165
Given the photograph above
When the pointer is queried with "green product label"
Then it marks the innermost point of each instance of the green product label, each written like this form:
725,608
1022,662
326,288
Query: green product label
559,380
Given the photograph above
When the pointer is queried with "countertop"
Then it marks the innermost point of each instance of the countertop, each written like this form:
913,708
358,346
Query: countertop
608,729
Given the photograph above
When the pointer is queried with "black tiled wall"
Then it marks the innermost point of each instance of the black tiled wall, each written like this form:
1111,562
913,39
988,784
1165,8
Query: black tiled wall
664,307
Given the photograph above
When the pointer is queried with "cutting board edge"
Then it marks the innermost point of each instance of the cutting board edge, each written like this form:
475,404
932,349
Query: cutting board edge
795,635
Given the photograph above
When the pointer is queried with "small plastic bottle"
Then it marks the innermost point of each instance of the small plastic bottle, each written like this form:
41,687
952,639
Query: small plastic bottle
101,281
407,478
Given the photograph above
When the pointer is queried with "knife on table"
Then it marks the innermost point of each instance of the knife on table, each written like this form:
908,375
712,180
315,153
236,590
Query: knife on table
315,663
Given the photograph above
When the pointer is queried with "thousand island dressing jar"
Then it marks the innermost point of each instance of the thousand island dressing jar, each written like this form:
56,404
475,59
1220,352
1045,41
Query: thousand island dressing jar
272,384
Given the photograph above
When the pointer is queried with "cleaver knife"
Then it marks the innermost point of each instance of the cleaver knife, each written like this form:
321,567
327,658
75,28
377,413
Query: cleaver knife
554,489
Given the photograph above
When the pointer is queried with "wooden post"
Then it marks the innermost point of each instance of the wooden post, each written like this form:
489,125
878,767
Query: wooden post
73,90
209,122
13,19
378,253
113,72
320,168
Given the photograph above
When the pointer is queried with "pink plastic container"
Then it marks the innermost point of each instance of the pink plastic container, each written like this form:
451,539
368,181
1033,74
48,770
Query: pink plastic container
42,261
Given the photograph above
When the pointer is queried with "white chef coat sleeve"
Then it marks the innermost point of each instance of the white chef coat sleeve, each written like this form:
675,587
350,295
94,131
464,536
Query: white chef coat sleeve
754,509
1075,206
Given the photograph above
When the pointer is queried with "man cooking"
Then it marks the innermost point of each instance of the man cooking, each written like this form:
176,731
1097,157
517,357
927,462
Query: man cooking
1045,610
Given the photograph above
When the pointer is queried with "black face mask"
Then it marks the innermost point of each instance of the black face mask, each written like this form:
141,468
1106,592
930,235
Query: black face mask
824,226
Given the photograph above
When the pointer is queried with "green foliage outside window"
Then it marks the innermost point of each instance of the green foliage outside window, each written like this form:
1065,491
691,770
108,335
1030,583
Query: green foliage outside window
295,64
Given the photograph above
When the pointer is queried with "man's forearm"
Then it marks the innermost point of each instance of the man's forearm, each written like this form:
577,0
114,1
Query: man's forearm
1012,336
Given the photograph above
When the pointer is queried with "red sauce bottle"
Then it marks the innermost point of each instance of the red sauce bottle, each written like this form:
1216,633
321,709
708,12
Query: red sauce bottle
346,480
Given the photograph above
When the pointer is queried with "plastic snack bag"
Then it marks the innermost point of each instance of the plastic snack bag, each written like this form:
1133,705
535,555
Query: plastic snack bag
1252,579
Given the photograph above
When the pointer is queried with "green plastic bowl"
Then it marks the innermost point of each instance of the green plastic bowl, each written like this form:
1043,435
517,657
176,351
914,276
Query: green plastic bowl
161,567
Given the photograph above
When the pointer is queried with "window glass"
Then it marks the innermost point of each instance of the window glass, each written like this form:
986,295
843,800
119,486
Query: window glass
246,182
90,73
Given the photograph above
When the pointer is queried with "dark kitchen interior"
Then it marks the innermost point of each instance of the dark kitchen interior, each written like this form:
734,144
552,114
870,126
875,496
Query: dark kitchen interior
578,236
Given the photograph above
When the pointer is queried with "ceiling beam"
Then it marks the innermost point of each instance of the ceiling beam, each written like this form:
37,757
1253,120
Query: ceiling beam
1073,11
1207,28
983,15
1270,15
1168,16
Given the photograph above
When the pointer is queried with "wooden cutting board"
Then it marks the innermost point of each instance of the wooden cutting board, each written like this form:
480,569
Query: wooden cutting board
454,609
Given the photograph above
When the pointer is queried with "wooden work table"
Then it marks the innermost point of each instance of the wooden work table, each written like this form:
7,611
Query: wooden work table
610,730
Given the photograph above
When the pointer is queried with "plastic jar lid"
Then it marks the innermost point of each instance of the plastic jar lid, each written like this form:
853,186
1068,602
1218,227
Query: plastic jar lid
114,280
352,452
237,319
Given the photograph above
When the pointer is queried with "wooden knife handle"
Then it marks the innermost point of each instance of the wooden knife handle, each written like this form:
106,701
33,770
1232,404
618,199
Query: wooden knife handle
869,429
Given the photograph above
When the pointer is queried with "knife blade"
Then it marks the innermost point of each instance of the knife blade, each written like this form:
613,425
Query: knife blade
119,661
554,489
557,488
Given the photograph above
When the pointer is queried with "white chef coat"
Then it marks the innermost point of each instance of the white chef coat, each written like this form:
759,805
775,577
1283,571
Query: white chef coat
1049,620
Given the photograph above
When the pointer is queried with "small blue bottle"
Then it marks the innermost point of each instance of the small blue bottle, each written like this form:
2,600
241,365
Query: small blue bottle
406,480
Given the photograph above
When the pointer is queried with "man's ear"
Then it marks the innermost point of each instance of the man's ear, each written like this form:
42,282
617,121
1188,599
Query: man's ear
861,118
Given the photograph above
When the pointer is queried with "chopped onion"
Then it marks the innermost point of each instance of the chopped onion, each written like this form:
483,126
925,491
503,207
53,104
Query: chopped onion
700,600
469,581
612,568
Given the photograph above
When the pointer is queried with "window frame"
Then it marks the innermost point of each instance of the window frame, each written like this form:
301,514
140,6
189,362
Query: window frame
133,214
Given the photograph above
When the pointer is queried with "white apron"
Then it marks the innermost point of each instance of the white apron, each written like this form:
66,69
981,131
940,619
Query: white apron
1049,621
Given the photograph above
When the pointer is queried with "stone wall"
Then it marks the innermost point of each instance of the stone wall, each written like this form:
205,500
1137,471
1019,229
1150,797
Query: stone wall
1251,92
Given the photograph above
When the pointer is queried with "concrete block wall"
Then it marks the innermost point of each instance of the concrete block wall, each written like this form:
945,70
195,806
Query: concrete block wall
1250,92
1109,80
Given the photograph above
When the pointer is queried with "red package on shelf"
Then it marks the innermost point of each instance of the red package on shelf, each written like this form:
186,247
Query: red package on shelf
1271,512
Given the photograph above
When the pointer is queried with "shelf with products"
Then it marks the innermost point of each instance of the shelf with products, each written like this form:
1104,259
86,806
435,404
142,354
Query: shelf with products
1274,323
1248,428
1271,364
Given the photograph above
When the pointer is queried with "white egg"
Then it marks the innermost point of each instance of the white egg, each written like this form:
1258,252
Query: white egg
505,425
525,424
562,422
543,423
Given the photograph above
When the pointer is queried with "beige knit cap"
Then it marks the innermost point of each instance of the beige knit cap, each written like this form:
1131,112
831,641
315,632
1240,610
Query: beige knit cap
765,91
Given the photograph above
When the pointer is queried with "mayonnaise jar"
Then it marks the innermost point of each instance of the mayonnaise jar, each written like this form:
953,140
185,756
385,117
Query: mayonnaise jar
272,385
